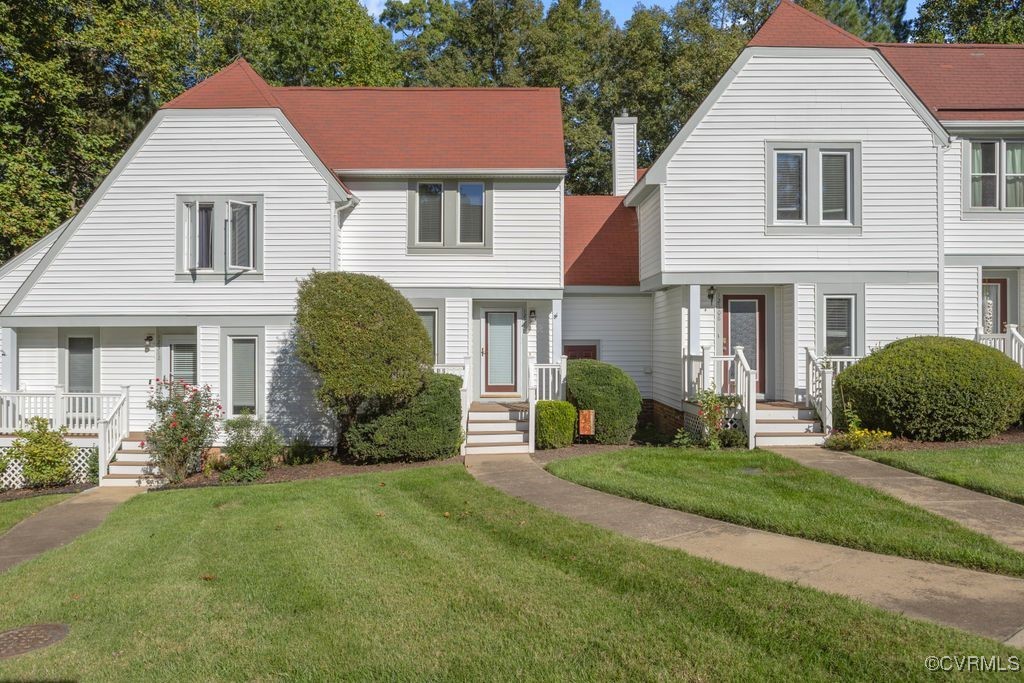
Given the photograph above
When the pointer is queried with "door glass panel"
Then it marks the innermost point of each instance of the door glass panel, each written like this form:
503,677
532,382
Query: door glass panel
80,365
183,363
743,329
991,310
501,348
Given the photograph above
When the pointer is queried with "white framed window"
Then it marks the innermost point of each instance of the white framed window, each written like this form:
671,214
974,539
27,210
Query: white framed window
430,213
80,365
429,318
994,176
220,237
242,383
790,186
471,213
840,325
836,190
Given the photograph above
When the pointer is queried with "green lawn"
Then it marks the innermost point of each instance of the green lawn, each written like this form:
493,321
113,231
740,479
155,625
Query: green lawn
426,574
767,491
13,511
995,470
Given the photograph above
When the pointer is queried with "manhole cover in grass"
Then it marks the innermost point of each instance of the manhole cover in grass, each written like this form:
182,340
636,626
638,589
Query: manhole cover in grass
18,641
752,470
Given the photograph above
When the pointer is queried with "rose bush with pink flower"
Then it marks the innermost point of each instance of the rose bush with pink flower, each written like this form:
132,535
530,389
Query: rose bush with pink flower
186,425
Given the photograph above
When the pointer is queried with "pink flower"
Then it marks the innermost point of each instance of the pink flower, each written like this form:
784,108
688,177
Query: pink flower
173,425
184,439
142,444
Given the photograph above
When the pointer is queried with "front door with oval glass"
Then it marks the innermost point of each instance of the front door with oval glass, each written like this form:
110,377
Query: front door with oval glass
501,367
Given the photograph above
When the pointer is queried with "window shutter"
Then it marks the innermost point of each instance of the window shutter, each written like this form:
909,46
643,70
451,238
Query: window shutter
471,213
430,199
183,363
789,186
243,376
429,320
838,326
241,235
80,365
834,187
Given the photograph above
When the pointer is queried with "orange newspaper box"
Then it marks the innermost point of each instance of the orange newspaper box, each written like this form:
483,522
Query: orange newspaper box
586,423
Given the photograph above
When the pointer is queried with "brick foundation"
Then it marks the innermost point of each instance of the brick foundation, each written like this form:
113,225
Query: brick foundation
665,419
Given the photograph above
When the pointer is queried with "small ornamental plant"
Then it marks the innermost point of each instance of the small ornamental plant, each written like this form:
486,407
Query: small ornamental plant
45,454
713,412
185,427
856,437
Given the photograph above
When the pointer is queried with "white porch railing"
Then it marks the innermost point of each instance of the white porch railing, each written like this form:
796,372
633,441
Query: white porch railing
820,376
80,413
547,383
746,388
465,371
112,430
1010,342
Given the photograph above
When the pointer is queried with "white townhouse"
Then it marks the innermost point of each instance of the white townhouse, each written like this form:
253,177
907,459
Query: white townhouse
185,262
828,197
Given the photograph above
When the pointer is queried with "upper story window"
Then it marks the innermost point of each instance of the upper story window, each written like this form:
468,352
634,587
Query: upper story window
219,237
450,215
995,175
813,185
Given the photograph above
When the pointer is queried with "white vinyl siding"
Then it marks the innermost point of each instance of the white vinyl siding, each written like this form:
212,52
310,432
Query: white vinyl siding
10,282
714,198
457,329
37,358
805,328
649,219
785,321
124,361
122,258
291,403
622,328
208,341
668,321
973,233
526,250
962,295
893,312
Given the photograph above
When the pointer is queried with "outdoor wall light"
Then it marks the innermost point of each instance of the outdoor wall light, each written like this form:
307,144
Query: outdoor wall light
711,294
149,342
532,317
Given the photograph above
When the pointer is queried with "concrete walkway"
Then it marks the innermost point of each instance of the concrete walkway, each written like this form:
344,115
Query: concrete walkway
995,517
60,524
985,604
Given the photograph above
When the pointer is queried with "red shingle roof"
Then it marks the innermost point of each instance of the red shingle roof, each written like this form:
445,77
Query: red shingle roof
790,25
399,128
956,82
601,242
963,82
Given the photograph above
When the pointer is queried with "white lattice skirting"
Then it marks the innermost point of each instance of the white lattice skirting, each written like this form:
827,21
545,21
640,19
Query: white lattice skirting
693,425
12,478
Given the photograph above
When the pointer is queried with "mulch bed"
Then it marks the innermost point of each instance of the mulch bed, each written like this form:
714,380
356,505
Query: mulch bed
316,470
1008,438
17,494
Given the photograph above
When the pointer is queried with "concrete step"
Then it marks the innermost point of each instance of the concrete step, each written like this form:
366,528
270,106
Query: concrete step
499,425
498,415
475,437
774,412
136,467
496,449
129,480
770,426
789,439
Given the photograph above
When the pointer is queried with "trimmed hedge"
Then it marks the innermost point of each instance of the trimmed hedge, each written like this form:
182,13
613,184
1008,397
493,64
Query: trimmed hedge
933,389
428,427
556,424
610,393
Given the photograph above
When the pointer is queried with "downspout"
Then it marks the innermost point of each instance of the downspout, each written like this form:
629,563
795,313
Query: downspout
341,209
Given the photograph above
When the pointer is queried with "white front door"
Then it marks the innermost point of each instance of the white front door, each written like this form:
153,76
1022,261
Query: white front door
500,371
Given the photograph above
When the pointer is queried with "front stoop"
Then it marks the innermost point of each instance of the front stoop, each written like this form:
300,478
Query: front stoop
495,429
787,424
132,466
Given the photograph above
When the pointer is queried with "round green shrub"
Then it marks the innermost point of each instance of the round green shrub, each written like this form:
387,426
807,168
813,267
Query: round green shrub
933,389
610,393
364,341
44,453
428,427
556,424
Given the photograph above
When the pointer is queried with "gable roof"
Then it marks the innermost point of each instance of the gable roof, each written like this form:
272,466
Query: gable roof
601,242
392,129
963,82
790,25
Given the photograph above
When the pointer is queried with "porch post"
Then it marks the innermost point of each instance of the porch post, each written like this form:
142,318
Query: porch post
58,406
556,329
1008,344
707,372
9,362
101,450
126,389
692,348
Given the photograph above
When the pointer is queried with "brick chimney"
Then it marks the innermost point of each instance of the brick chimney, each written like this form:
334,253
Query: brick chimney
623,154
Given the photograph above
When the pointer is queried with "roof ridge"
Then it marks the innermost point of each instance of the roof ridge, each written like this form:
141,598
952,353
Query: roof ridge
414,88
963,46
828,24
789,25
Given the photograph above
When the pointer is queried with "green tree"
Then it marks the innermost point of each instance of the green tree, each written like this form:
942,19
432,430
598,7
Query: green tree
970,21
364,341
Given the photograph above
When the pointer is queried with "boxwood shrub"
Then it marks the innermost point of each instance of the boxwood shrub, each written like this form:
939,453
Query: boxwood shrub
426,428
556,424
933,389
610,393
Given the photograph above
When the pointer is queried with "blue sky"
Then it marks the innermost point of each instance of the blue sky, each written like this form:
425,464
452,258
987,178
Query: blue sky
620,9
